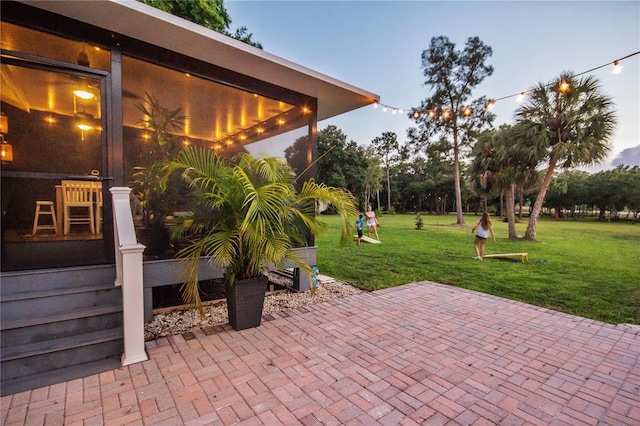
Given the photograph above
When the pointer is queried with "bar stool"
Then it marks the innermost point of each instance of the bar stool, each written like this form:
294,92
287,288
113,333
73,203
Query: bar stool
44,208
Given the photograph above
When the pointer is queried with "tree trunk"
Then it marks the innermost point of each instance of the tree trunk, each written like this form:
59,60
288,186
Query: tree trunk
530,234
456,172
388,189
520,204
511,207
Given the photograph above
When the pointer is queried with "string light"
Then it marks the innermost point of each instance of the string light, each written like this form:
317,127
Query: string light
617,68
563,86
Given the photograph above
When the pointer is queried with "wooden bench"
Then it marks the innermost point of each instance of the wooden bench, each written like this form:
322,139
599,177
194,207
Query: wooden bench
524,257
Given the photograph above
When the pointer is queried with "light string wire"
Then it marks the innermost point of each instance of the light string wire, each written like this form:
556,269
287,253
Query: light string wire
490,102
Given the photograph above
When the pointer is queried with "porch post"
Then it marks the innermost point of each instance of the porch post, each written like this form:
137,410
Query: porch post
133,305
130,276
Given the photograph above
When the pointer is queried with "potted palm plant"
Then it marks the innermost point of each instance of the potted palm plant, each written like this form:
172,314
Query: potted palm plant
247,217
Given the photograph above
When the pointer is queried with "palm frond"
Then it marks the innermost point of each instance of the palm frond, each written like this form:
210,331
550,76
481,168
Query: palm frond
248,217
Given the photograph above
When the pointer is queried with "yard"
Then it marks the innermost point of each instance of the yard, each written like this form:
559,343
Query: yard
582,267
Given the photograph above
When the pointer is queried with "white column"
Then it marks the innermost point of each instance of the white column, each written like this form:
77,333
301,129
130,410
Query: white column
129,274
133,304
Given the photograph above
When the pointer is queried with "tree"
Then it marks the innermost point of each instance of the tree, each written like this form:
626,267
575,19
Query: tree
209,13
632,190
440,175
569,122
484,165
452,75
605,192
566,191
372,178
501,164
385,147
297,155
340,163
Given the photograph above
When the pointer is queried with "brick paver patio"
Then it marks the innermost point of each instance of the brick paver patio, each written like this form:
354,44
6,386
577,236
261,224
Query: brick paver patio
421,353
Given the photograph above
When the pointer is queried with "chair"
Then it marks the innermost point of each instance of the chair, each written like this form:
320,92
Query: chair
77,194
97,188
44,208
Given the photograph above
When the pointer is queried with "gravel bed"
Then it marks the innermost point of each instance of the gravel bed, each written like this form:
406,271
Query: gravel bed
182,321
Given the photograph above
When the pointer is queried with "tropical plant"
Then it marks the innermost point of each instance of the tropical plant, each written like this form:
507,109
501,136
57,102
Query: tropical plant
419,222
248,217
501,164
569,122
161,125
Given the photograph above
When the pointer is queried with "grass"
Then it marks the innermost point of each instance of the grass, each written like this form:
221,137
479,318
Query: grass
581,267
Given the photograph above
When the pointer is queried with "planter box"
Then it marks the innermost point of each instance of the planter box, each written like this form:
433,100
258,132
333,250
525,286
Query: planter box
245,300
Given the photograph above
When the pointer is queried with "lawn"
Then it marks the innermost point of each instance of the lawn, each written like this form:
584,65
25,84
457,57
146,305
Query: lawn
582,267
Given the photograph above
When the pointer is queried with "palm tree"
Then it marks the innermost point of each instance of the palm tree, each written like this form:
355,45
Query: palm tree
501,164
248,217
483,167
568,122
517,169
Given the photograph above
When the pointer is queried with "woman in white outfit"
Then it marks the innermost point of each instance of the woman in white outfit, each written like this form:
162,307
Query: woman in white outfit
372,222
485,228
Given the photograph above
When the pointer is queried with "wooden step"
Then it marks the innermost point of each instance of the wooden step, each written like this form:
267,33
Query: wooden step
34,381
59,354
59,345
66,316
54,302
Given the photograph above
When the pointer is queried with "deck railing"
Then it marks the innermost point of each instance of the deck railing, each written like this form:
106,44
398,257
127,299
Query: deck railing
129,275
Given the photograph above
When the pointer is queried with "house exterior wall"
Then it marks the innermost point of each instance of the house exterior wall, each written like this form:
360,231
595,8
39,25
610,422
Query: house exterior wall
225,110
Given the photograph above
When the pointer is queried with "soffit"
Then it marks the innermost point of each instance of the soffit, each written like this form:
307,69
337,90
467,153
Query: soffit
139,21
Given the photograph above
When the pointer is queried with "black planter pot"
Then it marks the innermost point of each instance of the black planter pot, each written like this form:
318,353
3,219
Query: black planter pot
245,300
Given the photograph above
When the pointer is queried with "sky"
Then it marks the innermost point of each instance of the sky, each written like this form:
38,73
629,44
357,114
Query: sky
377,46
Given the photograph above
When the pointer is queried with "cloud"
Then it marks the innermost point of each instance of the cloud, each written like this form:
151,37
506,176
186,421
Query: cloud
628,157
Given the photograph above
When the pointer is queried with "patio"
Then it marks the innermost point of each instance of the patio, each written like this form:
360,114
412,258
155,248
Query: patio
422,353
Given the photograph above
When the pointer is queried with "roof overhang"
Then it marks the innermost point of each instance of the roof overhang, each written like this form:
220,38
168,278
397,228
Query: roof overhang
139,21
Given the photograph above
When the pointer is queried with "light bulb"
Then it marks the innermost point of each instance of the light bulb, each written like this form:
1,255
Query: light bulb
83,94
617,68
564,86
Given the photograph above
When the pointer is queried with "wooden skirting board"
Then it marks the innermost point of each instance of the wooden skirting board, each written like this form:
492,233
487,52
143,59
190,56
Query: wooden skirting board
524,257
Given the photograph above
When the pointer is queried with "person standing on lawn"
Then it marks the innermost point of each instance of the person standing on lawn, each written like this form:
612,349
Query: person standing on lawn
372,222
360,227
485,228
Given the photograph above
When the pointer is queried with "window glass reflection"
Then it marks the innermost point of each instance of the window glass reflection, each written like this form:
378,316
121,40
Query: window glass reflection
24,40
54,134
165,110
